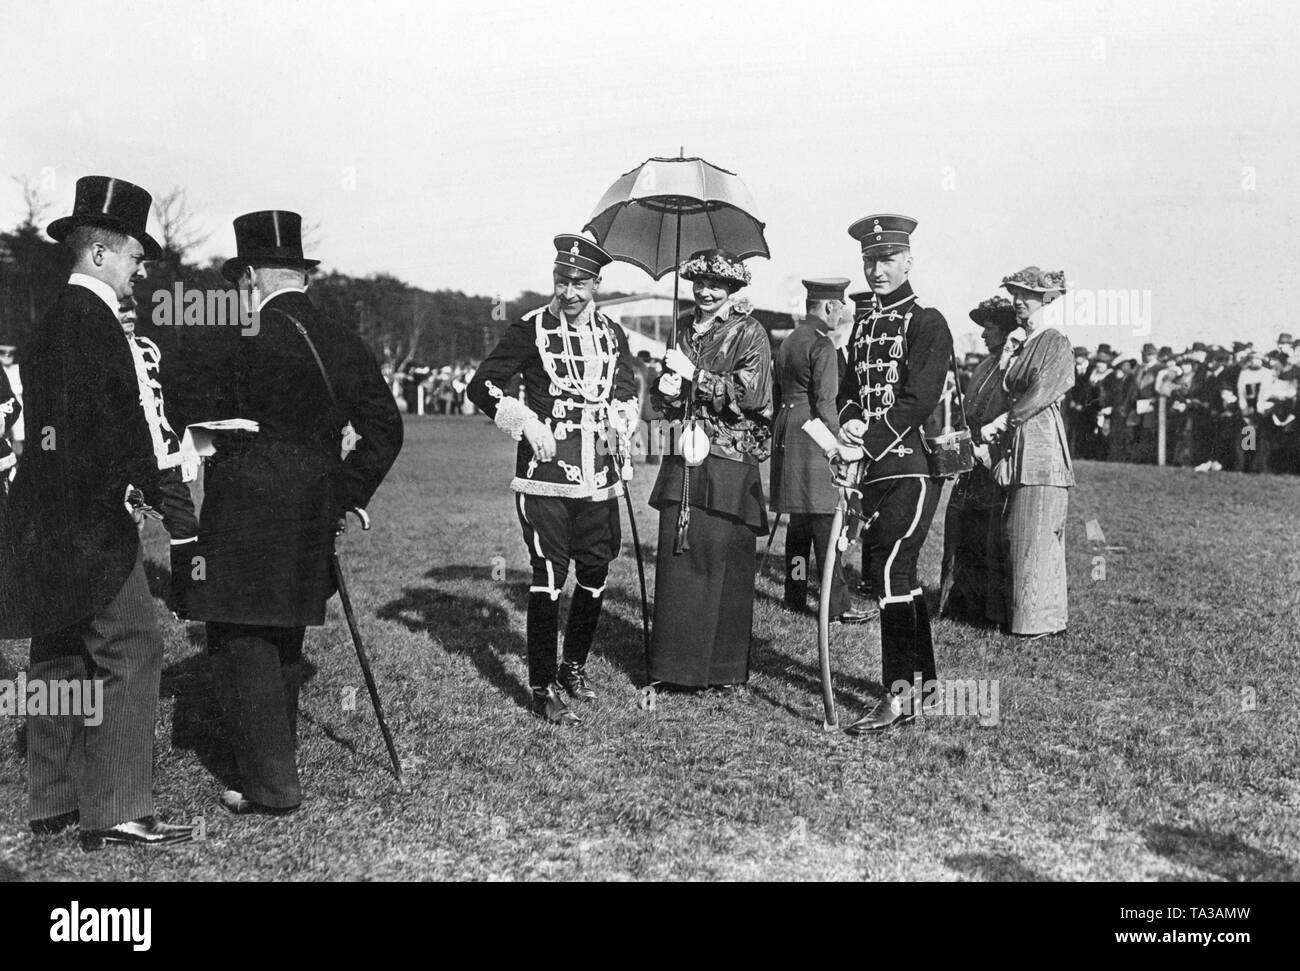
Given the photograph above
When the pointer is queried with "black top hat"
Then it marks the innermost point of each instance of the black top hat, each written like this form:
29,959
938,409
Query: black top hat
272,237
113,204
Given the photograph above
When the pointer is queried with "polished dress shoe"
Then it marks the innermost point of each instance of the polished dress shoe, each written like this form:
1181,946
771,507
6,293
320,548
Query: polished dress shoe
573,678
145,831
240,806
891,712
55,824
853,617
549,703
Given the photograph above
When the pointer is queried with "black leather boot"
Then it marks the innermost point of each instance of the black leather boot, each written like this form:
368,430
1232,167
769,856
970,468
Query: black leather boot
897,662
543,628
548,702
584,614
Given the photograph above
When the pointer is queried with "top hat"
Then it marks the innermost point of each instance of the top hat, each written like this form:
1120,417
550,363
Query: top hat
1284,338
578,257
831,288
716,264
271,237
884,234
113,204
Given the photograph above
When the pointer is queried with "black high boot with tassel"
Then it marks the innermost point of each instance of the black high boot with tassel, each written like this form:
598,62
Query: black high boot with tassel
543,629
584,615
897,661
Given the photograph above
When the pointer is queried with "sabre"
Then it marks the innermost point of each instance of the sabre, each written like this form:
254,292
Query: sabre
361,657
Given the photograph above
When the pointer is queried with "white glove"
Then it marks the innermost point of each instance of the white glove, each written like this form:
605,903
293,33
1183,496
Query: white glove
541,438
982,456
679,363
851,431
994,428
624,416
670,385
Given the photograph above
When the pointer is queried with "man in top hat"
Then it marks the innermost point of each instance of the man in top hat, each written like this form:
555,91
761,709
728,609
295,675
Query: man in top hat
898,363
275,499
71,566
807,384
580,408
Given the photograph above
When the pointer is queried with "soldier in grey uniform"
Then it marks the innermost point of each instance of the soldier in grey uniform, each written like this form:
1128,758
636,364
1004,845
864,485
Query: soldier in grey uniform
807,383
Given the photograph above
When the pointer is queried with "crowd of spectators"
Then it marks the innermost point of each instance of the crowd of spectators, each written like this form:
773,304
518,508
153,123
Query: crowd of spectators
1224,408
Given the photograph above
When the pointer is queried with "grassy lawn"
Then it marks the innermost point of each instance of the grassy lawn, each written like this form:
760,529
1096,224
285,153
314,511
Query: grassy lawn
1131,751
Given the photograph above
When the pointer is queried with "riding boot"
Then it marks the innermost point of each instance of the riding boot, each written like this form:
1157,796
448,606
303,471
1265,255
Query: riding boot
543,628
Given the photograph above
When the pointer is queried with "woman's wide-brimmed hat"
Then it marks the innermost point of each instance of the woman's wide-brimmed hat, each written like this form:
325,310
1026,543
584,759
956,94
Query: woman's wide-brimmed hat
1036,280
113,204
995,312
716,264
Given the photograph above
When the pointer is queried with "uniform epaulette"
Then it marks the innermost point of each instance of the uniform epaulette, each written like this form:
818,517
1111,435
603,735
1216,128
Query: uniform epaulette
533,313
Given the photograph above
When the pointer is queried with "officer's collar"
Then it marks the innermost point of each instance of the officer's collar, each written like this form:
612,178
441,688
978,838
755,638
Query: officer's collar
821,325
896,299
587,316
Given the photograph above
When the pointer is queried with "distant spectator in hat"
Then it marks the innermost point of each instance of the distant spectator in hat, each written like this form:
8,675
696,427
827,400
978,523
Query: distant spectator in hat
1214,397
1285,345
1115,407
1076,399
1141,418
1254,384
1090,441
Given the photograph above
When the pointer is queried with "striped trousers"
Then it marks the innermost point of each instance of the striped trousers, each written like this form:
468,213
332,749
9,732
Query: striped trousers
104,771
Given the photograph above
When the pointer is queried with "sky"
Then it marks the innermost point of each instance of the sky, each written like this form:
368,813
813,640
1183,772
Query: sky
1151,151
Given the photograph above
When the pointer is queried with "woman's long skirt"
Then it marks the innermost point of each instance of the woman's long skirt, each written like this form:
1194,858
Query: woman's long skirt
704,601
969,560
1033,529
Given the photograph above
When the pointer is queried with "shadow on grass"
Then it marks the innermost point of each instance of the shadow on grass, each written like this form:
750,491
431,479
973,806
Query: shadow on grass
1227,856
197,723
994,868
481,629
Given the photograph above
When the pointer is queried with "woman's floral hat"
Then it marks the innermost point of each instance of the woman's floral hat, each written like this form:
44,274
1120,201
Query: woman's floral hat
996,312
716,264
1036,280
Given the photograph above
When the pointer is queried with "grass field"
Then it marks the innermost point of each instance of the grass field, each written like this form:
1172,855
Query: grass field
1160,742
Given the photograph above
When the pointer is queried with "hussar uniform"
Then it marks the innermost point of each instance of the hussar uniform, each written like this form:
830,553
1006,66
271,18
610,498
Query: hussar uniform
898,362
578,381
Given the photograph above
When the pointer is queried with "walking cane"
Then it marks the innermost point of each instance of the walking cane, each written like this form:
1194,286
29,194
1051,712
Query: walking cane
365,662
768,548
622,456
